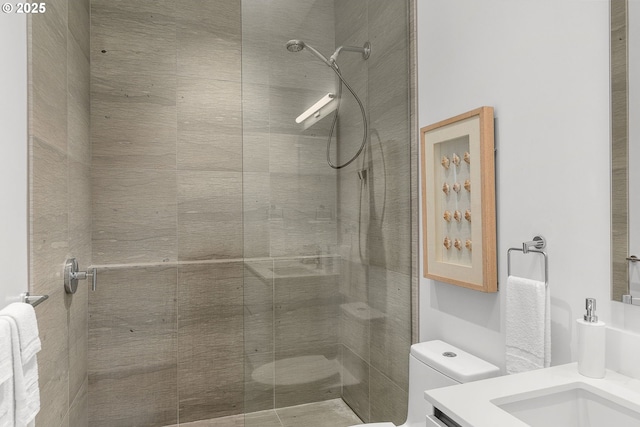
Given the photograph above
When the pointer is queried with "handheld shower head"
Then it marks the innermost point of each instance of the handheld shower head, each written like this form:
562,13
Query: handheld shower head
298,45
295,45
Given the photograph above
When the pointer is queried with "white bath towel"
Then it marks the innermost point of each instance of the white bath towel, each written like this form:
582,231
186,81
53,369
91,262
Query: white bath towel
25,344
7,418
528,327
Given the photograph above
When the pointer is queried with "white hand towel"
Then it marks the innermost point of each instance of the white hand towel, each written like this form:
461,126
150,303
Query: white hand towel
25,317
25,345
7,418
528,328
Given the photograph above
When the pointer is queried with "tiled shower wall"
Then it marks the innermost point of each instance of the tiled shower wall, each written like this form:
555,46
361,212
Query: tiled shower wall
166,323
289,191
60,202
187,159
375,213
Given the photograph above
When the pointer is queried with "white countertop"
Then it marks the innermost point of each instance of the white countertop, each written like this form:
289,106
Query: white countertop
470,404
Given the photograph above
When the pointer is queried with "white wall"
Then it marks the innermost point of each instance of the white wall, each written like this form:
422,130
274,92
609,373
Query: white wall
544,66
13,157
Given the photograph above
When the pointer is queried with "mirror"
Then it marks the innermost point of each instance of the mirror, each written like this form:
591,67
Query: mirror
619,152
625,152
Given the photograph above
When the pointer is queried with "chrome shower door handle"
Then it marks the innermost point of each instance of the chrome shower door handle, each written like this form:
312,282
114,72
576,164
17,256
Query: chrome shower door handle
72,275
83,275
94,279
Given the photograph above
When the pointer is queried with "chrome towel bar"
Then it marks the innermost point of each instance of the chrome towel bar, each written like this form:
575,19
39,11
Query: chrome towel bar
536,245
34,300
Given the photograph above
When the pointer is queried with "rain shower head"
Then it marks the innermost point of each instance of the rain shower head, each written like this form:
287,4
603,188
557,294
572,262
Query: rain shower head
298,45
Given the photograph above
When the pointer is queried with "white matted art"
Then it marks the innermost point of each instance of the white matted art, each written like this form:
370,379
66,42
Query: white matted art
458,201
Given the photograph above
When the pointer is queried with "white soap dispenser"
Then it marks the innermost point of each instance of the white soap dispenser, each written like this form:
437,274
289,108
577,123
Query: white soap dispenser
591,343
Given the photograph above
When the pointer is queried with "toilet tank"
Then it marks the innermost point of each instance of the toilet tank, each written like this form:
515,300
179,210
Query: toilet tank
435,364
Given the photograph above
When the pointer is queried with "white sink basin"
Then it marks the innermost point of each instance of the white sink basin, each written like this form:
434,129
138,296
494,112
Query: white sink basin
571,405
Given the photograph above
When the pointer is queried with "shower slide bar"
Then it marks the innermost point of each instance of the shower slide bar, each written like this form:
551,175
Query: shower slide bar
536,245
34,300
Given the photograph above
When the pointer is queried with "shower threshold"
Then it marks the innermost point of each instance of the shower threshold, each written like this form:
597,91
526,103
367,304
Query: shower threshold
329,413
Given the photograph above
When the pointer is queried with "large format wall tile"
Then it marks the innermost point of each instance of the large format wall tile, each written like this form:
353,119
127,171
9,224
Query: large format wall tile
132,124
133,352
355,389
78,342
78,17
48,75
388,400
355,326
133,110
306,314
306,204
310,21
390,209
255,119
49,246
134,35
79,189
259,381
258,306
134,215
299,154
256,205
257,37
210,340
350,17
388,24
306,337
79,410
78,103
49,216
209,215
133,84
258,335
390,294
209,124
53,359
209,39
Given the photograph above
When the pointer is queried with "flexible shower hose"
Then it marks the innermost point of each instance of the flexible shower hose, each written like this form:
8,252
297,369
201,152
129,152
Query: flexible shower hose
365,133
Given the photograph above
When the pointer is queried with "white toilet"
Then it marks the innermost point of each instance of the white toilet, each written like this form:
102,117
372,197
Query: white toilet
435,364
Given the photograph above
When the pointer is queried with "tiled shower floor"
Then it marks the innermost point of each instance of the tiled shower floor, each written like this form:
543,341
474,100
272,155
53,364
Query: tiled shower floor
330,413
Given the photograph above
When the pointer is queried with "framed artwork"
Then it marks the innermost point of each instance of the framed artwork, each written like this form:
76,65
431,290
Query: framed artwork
458,201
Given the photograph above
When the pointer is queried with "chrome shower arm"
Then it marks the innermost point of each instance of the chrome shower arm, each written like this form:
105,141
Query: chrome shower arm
364,50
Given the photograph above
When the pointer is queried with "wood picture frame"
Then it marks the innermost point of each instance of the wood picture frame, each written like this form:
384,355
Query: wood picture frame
459,202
